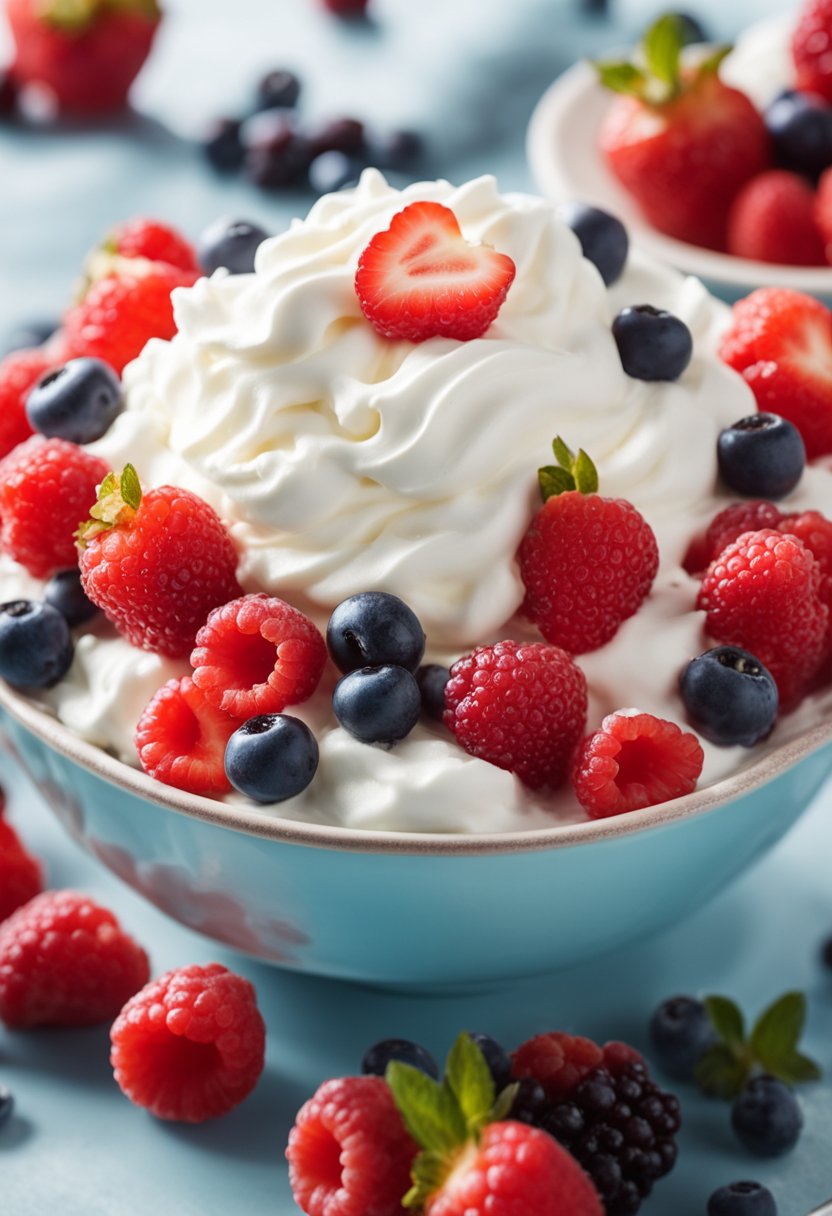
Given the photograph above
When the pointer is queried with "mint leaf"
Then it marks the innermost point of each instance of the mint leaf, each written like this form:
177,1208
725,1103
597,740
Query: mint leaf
131,487
502,1107
429,1173
554,481
469,1079
712,62
108,485
796,1069
622,78
430,1111
563,454
662,49
775,1039
727,1020
721,1073
586,474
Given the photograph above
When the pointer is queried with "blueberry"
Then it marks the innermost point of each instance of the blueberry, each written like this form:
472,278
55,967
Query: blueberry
529,1105
6,1103
826,953
377,1057
742,1199
762,456
35,644
65,592
232,244
332,171
280,88
399,150
603,238
731,698
377,704
693,31
766,1117
680,1033
374,628
222,145
271,757
28,334
800,126
78,402
652,343
496,1057
337,135
432,680
276,155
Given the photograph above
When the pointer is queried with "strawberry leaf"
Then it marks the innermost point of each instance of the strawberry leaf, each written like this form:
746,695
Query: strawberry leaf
563,454
586,474
468,1077
727,1020
571,472
662,49
131,487
554,481
721,1073
430,1111
775,1039
623,78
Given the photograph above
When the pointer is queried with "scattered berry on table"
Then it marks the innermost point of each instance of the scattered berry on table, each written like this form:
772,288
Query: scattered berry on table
373,628
28,334
231,244
153,240
433,680
271,757
730,697
767,1118
681,1031
156,563
729,524
499,1062
762,456
635,761
336,135
333,171
399,150
520,707
603,238
276,155
378,704
772,219
21,875
222,145
65,592
558,1062
6,1103
377,1057
181,739
66,961
800,126
280,87
421,279
36,649
191,1045
19,373
652,343
78,401
811,48
349,1152
742,1199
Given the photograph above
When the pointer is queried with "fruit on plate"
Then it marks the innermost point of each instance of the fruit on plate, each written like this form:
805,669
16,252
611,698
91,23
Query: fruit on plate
773,219
812,48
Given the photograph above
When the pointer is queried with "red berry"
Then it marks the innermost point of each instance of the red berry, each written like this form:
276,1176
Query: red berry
257,655
587,564
815,531
66,961
421,279
781,341
349,1152
346,8
557,1061
143,238
191,1045
520,707
19,373
812,48
724,529
823,212
21,876
47,487
773,220
763,593
181,739
634,761
157,570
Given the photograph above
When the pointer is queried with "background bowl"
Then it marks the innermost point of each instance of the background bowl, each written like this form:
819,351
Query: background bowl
404,910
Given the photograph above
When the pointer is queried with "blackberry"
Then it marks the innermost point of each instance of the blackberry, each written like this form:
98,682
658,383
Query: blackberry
622,1129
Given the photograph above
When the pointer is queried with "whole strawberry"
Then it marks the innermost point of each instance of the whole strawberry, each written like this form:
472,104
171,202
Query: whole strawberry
678,139
154,241
156,563
587,562
812,48
87,53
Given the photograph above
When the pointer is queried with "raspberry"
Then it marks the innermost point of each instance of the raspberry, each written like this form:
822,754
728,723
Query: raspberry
181,739
256,655
157,567
763,593
522,708
66,961
47,487
729,525
191,1045
587,564
19,373
21,877
349,1152
815,531
634,761
557,1061
142,238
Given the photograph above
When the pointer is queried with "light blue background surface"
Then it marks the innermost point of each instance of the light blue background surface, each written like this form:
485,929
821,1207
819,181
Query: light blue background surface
467,73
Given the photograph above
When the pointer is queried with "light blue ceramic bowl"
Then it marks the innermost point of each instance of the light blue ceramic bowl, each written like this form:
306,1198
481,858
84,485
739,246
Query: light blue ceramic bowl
417,911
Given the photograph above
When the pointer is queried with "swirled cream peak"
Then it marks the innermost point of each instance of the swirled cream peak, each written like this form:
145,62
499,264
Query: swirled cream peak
345,461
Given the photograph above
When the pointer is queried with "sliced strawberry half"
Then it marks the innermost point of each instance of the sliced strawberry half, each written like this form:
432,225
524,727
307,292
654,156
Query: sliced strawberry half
421,279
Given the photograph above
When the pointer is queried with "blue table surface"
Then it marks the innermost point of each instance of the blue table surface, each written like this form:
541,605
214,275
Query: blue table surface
466,74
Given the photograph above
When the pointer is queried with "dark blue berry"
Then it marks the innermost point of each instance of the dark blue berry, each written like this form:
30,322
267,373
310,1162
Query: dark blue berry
766,1117
231,244
761,456
271,757
280,88
399,150
731,698
652,343
78,402
276,155
742,1199
29,334
6,1103
222,144
800,126
65,592
433,680
692,29
332,171
377,704
374,628
529,1104
380,1054
680,1033
603,238
496,1057
826,954
336,135
35,644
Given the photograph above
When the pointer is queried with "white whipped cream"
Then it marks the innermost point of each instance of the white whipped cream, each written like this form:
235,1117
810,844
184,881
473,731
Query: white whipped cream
761,63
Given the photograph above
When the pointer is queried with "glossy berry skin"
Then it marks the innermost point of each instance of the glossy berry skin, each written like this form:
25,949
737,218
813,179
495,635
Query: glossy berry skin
181,739
78,402
36,648
154,241
558,1062
271,757
773,219
332,171
730,697
377,704
336,135
279,87
529,1101
681,1032
496,1057
276,155
377,1057
729,524
231,244
191,1045
652,343
222,145
742,1199
6,1104
65,592
604,239
800,126
19,373
433,680
373,628
766,1118
811,48
21,875
762,456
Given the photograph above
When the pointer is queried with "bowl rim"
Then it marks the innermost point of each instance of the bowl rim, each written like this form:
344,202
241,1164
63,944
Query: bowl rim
263,825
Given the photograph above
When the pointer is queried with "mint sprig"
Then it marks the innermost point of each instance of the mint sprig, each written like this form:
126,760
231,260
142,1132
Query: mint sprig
772,1046
119,497
570,473
658,73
